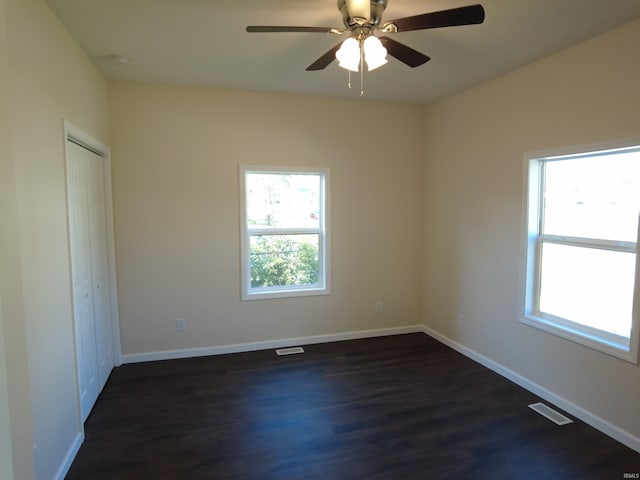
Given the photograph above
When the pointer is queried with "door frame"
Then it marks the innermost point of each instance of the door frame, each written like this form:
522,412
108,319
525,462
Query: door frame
77,135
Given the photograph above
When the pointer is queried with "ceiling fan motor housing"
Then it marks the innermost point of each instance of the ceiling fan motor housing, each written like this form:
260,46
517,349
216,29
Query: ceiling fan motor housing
350,21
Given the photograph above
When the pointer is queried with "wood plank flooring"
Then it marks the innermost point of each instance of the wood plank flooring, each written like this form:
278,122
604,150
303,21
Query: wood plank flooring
400,407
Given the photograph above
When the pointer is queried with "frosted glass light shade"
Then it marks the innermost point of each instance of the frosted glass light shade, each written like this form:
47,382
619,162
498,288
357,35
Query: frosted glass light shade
374,52
348,55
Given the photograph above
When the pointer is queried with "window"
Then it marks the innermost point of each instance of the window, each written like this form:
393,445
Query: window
581,262
284,237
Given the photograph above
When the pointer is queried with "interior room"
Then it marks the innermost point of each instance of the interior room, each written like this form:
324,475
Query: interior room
426,205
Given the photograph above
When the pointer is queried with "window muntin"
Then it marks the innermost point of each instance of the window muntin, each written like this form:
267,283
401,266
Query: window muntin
581,258
284,232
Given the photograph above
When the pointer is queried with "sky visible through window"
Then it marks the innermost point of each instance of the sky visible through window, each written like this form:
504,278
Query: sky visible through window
594,198
283,200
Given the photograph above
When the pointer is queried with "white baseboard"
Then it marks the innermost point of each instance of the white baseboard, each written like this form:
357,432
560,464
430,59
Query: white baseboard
69,457
589,418
268,344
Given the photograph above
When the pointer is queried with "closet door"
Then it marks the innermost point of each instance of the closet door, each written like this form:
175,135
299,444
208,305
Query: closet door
99,266
90,272
81,277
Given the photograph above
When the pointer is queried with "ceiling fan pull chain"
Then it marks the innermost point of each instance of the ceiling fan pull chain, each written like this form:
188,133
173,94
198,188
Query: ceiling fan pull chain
349,81
361,69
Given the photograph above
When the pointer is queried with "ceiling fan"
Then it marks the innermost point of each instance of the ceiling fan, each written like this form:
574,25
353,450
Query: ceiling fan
363,19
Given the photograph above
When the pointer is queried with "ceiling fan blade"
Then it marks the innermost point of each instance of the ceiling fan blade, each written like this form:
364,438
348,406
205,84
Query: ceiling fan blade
271,29
406,55
468,15
324,60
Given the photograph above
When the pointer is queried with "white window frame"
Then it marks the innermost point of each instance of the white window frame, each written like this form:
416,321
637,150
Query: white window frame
322,286
615,345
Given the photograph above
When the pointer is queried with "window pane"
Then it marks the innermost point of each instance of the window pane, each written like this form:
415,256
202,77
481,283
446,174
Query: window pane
594,197
284,260
588,286
283,200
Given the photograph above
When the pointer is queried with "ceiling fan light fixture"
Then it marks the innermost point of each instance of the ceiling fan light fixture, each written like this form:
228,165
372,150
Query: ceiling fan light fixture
348,55
374,52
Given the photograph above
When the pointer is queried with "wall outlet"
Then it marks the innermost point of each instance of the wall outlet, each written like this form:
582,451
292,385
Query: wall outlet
181,325
379,307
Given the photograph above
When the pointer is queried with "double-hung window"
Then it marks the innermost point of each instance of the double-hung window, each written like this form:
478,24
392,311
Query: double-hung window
581,261
284,240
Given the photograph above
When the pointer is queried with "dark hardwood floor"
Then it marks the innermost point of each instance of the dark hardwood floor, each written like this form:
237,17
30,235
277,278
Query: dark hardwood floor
400,407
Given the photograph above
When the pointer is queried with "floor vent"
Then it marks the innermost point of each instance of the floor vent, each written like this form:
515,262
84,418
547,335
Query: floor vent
550,413
289,351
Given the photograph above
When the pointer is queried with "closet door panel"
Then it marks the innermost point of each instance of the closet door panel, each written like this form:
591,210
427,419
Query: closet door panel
100,268
82,278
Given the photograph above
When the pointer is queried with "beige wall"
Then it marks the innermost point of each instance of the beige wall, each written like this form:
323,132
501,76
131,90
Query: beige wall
49,79
7,214
17,426
175,155
6,448
473,211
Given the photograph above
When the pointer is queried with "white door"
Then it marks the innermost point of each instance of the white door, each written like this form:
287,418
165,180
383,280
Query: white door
90,273
99,266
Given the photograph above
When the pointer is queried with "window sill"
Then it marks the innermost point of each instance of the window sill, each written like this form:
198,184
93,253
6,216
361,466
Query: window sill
619,350
284,293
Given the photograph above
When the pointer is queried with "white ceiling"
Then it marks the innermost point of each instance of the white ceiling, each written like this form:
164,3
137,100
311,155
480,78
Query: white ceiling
203,42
